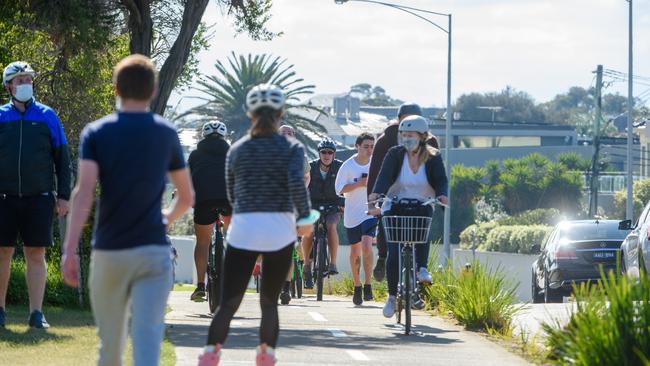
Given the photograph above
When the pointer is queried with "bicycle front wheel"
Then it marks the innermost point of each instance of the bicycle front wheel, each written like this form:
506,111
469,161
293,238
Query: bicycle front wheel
407,301
321,259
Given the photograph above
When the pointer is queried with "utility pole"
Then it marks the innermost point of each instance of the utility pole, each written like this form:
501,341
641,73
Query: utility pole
629,208
594,184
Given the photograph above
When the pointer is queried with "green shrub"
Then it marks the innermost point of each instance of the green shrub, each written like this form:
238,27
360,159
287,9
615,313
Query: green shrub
611,325
640,194
475,235
479,298
515,239
57,293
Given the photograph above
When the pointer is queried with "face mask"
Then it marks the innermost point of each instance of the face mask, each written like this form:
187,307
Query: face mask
410,143
24,92
118,103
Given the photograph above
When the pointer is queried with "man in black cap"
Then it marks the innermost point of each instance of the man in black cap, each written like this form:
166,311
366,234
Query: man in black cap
385,141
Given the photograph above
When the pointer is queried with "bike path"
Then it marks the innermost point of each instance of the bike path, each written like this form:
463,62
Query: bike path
333,332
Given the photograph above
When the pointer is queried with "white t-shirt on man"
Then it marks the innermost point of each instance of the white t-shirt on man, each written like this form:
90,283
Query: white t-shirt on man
356,201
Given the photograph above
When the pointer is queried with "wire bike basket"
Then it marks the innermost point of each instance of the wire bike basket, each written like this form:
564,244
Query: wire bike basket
407,229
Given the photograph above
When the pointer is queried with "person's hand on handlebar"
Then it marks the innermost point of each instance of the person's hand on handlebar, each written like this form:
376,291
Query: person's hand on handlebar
373,210
443,199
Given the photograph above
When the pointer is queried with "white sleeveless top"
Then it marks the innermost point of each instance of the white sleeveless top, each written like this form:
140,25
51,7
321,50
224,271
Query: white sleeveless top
410,185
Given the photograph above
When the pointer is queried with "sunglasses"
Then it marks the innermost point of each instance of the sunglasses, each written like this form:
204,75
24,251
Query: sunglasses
327,152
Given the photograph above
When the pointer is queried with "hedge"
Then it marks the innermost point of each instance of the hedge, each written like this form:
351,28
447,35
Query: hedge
508,238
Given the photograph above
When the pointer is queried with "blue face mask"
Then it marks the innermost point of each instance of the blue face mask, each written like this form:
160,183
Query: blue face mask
24,92
410,143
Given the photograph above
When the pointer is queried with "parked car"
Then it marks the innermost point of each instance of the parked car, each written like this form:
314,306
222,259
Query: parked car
635,249
574,253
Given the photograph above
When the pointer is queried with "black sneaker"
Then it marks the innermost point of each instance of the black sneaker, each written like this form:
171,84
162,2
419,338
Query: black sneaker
356,299
333,270
199,293
285,298
3,317
367,293
380,269
306,275
37,320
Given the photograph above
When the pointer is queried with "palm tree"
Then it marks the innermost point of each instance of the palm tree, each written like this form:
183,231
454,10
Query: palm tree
226,94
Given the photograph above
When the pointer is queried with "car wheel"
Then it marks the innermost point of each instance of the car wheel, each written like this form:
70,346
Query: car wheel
536,296
549,294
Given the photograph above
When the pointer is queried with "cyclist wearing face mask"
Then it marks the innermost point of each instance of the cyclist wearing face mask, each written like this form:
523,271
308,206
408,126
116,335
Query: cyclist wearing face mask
34,151
410,170
387,140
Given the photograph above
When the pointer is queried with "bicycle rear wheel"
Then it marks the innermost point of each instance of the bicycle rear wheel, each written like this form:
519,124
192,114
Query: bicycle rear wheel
296,280
215,261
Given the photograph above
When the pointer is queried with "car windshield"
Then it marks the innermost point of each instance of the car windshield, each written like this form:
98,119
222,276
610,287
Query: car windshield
593,231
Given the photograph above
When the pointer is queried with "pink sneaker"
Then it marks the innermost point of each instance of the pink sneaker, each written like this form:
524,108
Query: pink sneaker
266,357
209,359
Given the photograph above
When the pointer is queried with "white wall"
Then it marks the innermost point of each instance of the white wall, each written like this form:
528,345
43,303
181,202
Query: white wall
185,270
516,266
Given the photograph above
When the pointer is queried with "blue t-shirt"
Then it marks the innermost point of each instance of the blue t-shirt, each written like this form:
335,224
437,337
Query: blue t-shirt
134,152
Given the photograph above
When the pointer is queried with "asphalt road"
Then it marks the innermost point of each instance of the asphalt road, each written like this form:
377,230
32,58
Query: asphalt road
333,332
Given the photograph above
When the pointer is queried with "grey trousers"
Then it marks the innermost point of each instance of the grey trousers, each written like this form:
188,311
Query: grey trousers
133,282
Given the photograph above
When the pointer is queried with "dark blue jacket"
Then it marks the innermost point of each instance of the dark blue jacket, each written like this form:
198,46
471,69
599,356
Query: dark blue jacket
32,149
392,165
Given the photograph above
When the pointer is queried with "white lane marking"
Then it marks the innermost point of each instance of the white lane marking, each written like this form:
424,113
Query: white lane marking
317,316
337,333
357,355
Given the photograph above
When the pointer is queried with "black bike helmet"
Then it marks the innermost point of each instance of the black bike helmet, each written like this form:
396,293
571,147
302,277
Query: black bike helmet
327,143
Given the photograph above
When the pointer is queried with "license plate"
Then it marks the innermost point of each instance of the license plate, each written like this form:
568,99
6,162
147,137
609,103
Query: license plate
604,255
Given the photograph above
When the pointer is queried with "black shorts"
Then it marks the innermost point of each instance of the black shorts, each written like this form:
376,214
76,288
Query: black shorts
366,228
206,212
31,217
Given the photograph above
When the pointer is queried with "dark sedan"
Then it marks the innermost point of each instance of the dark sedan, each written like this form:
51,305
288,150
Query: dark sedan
574,252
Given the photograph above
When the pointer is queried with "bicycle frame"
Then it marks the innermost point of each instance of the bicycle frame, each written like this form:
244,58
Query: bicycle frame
319,250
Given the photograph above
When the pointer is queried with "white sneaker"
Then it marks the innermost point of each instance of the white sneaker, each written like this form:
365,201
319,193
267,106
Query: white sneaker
389,307
424,276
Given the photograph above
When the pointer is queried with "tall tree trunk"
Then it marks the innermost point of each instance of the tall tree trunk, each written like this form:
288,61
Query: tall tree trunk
140,26
178,54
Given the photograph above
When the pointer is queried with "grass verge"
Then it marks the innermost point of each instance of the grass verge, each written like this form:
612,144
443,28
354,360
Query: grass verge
71,340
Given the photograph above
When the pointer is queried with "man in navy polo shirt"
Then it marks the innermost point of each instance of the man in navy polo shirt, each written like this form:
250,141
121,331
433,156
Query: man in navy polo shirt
130,153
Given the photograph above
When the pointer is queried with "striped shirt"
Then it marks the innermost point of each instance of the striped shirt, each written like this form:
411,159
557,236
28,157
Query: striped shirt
265,174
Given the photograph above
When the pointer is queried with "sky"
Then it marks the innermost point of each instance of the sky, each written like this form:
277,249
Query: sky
542,47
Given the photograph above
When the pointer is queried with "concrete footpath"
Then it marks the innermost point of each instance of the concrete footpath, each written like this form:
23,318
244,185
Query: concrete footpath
332,332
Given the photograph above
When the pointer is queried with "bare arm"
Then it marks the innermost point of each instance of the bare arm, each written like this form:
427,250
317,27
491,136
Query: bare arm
184,197
82,200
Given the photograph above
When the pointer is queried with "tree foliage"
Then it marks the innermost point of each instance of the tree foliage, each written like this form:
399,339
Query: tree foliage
373,96
515,106
225,92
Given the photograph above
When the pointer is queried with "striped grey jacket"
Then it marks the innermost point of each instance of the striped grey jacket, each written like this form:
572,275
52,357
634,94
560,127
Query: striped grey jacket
265,174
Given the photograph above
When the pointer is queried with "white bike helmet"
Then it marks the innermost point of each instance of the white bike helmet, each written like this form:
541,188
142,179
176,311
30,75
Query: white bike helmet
16,68
265,95
414,123
214,127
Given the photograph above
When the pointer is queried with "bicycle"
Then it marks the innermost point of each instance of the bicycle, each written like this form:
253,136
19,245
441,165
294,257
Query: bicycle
215,266
407,231
296,275
319,249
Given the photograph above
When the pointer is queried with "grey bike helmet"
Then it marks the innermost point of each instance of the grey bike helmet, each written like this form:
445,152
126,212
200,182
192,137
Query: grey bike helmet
415,124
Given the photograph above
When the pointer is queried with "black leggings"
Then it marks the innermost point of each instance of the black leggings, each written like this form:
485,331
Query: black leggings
237,271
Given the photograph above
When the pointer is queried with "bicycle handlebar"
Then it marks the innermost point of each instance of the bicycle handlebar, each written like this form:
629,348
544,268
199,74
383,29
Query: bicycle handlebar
430,202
